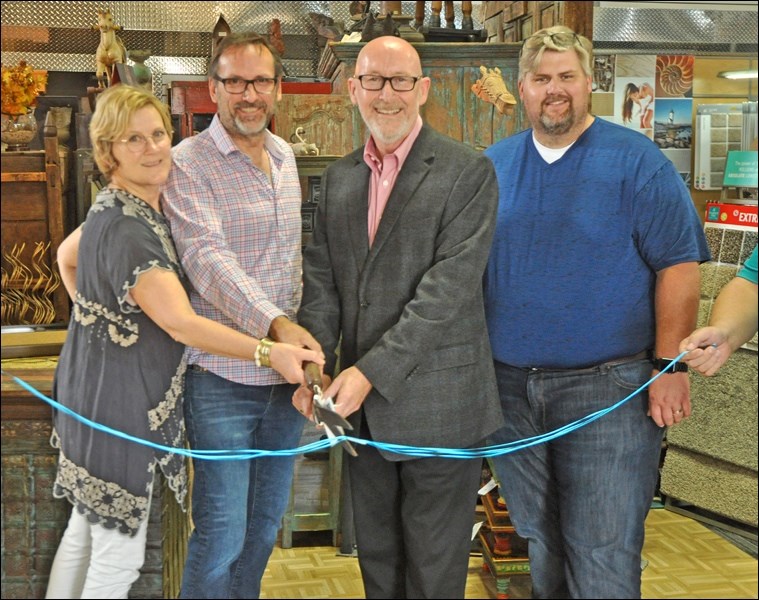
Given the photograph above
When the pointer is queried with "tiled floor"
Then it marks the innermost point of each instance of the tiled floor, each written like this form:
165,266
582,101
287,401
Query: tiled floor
685,560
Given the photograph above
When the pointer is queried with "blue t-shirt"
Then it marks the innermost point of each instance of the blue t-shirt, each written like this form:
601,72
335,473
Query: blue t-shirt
571,276
748,271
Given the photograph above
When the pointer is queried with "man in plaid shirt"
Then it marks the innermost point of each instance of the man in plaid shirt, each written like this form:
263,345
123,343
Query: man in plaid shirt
233,202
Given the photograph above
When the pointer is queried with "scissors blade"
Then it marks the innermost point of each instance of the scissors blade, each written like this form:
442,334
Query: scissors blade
324,408
333,423
327,415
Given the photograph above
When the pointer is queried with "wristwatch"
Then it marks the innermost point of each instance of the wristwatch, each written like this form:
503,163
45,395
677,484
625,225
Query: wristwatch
661,363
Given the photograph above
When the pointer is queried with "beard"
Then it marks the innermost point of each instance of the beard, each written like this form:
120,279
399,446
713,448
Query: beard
558,126
245,126
385,132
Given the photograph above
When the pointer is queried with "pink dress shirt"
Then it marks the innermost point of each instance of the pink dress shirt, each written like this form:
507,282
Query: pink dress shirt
384,173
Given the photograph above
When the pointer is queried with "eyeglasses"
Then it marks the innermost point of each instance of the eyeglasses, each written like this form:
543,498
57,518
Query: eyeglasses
399,83
237,85
138,143
561,40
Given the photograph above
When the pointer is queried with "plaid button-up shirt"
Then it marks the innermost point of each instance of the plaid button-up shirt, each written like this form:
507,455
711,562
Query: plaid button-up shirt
238,236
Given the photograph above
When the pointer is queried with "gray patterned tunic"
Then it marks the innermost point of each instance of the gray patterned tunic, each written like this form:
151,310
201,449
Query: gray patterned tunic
119,369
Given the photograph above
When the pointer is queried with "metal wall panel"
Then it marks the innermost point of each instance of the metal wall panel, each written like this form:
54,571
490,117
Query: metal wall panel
653,30
60,36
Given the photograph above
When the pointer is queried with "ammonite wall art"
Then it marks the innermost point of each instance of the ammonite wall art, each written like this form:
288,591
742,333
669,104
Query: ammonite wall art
674,76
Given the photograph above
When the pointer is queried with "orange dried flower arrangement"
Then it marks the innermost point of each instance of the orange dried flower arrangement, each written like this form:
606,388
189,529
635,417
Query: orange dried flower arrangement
20,87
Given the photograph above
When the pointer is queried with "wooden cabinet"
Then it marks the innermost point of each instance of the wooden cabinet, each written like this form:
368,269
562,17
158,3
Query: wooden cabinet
327,121
451,107
516,21
189,99
32,229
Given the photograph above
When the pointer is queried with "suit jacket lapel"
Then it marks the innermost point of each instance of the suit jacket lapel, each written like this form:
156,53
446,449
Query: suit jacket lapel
357,183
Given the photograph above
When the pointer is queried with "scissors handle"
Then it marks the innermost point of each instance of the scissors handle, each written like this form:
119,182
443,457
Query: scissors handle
313,376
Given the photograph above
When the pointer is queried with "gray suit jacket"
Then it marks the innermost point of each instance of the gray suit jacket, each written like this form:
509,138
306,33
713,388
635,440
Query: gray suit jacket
409,311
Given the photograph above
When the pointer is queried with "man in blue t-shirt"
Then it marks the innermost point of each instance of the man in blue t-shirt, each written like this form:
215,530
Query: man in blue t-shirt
592,274
732,323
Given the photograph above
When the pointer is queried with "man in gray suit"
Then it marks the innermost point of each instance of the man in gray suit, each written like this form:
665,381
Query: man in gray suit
394,274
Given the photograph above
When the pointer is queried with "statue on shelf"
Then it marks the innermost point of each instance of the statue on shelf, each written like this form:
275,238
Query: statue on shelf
302,147
111,49
491,88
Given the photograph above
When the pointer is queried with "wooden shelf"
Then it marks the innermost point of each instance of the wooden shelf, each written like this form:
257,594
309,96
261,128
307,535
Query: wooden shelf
498,519
498,524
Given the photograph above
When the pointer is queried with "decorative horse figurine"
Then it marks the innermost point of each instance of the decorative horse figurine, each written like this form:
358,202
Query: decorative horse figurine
111,49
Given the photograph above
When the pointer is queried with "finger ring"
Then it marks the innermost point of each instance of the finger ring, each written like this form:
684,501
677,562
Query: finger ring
678,411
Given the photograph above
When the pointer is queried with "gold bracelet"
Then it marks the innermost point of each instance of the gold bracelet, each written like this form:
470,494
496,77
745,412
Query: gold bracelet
263,352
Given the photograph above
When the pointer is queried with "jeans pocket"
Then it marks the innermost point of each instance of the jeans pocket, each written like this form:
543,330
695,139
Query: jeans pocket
631,375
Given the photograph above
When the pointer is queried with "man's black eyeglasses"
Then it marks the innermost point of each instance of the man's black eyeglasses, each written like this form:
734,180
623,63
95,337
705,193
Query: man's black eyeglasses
237,85
561,40
400,83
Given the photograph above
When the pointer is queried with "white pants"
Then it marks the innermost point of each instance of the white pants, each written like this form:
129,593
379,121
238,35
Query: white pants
95,562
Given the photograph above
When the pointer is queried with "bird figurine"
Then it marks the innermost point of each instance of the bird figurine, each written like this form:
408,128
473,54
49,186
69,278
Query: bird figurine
275,36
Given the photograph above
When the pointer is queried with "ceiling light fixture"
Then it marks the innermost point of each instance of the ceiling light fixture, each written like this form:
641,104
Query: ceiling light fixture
747,74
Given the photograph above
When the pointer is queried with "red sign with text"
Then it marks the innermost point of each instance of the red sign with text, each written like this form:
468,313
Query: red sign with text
740,215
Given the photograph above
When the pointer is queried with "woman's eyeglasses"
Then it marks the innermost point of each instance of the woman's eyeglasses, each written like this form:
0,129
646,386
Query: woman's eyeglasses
137,142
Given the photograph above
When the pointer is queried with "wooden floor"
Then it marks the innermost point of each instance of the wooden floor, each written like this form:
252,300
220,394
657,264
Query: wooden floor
685,560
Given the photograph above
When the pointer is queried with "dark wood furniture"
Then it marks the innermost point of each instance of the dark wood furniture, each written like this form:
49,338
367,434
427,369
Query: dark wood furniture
33,215
516,21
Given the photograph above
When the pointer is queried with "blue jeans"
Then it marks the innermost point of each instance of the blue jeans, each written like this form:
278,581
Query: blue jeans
237,505
580,500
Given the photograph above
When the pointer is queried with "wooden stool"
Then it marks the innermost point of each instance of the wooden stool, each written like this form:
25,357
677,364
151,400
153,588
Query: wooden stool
317,521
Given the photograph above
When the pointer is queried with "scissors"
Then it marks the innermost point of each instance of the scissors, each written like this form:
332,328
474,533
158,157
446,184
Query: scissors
324,409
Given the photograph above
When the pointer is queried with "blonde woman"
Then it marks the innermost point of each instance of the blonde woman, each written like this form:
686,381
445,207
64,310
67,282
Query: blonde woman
122,365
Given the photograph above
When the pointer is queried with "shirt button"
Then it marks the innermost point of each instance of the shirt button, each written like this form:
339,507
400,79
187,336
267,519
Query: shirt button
385,183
